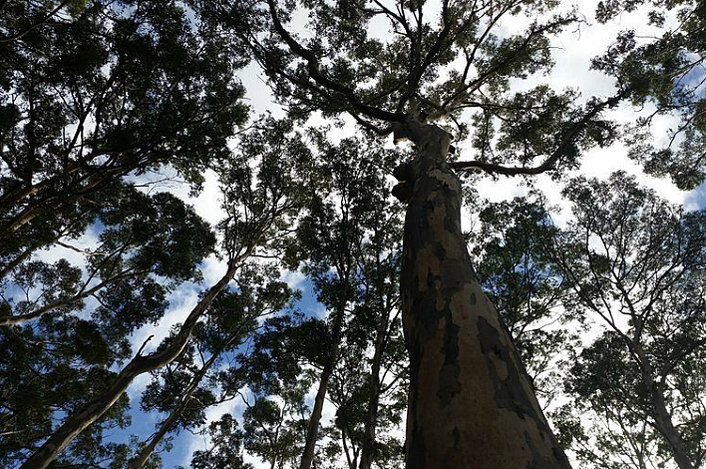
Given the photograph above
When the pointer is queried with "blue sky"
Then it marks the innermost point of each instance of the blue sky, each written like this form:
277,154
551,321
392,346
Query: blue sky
573,51
144,423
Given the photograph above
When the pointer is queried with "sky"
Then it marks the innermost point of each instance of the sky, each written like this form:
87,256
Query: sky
573,51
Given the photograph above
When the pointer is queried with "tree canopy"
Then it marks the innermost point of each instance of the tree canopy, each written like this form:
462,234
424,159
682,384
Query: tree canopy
186,283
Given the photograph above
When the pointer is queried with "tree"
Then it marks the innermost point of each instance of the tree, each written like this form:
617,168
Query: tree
94,92
348,244
666,75
469,397
111,88
278,376
225,450
368,234
91,92
261,200
330,236
638,262
65,332
185,390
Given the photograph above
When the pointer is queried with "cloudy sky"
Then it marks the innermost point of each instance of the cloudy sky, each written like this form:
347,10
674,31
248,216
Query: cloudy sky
573,51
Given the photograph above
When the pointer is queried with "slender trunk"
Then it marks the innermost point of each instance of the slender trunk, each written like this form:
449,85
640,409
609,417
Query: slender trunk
663,420
368,448
471,405
312,428
78,421
168,424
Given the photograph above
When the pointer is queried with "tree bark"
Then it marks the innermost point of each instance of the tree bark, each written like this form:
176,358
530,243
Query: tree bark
470,402
312,429
663,420
368,448
78,421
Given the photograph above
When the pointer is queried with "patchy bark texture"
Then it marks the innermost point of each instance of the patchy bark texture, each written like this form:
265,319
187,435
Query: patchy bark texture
471,405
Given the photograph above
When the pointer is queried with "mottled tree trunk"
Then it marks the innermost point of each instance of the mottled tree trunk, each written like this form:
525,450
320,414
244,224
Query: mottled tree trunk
471,405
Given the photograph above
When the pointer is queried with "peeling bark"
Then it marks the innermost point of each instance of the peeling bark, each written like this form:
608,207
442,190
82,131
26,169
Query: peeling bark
470,402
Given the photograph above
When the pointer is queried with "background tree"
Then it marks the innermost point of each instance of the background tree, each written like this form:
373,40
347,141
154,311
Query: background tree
330,238
280,370
366,384
111,88
187,387
629,268
637,263
58,348
346,245
666,74
225,447
261,201
91,92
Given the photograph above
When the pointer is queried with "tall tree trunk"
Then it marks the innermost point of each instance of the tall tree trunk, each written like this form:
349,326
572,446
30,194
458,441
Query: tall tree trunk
471,405
663,420
312,429
368,448
78,421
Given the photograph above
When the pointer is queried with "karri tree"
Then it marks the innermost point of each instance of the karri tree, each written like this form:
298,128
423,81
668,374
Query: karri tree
89,93
470,402
92,92
260,200
637,263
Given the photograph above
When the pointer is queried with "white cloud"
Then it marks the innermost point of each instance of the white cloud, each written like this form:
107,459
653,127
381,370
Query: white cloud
294,279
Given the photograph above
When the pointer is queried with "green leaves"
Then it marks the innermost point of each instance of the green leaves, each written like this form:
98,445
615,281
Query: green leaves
637,264
512,257
667,73
115,89
225,451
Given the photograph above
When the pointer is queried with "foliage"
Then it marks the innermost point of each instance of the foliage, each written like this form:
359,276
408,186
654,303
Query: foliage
225,447
668,75
637,263
452,63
